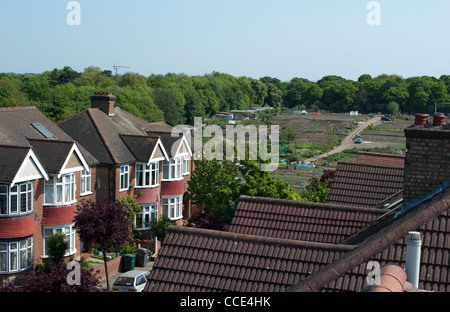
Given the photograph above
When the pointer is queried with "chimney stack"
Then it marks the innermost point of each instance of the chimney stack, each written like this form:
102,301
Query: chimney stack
412,267
427,159
104,101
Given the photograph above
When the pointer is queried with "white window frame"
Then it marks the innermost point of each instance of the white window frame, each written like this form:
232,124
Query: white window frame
173,169
21,196
62,190
85,182
67,229
16,256
172,206
186,165
124,178
149,212
147,174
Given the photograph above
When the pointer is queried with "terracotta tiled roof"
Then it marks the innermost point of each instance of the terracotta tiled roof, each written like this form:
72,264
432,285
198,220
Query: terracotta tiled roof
381,159
289,219
192,260
384,241
364,185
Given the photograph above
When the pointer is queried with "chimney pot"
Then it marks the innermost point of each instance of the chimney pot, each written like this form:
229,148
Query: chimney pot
421,119
438,119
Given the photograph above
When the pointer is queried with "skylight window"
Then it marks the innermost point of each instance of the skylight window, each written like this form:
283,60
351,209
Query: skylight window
47,134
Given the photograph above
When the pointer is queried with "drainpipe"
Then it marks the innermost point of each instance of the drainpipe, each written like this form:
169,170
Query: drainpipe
412,267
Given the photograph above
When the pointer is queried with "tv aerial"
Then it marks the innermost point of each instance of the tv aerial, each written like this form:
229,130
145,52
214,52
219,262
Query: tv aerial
116,67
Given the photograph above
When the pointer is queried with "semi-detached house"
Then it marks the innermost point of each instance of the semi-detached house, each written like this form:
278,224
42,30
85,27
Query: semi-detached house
102,153
151,160
44,173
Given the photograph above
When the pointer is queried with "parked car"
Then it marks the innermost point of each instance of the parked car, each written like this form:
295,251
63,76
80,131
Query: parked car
385,118
131,281
359,140
371,115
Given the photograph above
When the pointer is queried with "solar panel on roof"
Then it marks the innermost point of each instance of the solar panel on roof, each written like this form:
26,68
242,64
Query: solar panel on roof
42,130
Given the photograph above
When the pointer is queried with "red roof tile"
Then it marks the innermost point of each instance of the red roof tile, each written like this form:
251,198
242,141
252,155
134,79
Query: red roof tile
193,260
384,241
381,159
364,185
288,219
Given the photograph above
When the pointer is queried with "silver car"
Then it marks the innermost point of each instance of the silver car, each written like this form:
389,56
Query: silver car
131,281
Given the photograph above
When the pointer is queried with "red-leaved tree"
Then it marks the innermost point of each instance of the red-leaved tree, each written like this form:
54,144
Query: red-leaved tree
104,224
54,281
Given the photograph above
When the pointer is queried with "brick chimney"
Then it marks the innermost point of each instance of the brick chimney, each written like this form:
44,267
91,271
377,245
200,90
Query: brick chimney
105,101
427,160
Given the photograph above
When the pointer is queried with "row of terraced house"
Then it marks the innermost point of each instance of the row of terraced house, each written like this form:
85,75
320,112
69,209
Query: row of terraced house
102,153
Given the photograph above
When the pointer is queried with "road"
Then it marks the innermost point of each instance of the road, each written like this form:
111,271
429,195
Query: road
347,142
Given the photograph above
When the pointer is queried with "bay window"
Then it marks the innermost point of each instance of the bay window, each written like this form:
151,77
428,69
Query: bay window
17,199
16,255
172,207
172,170
60,190
147,175
68,230
149,212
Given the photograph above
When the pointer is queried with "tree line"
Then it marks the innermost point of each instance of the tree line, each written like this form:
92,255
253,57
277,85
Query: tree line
178,98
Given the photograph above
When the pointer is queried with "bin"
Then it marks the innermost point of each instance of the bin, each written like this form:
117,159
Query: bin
142,257
128,262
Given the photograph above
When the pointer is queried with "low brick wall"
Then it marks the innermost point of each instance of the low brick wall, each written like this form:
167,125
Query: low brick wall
113,268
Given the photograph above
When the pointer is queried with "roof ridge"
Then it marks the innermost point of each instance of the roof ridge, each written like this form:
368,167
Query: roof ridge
50,141
369,165
12,108
15,146
260,239
381,154
300,204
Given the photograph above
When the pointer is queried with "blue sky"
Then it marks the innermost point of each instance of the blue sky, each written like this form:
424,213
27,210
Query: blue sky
254,38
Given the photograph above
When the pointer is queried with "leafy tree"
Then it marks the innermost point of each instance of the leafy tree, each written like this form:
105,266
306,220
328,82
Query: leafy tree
287,135
262,183
213,187
57,247
392,108
274,95
104,224
132,208
158,228
166,102
208,220
318,189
